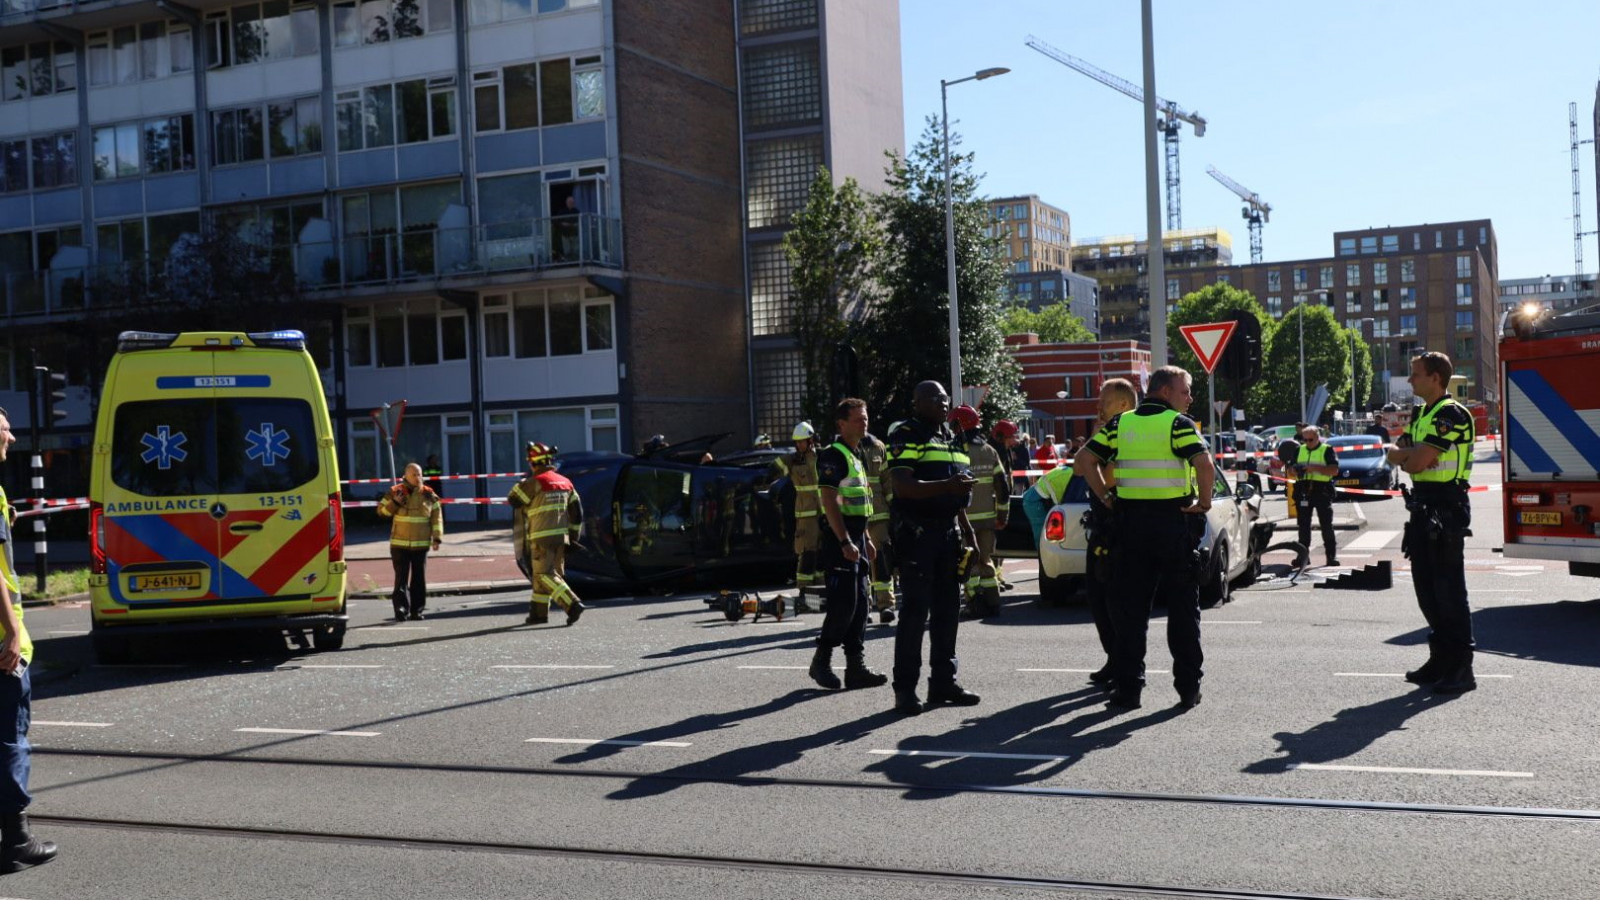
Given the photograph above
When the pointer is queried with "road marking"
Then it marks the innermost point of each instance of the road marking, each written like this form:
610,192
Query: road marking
1372,540
75,724
802,668
1405,770
957,754
1231,622
590,742
1397,675
309,731
1087,671
69,632
294,665
1355,555
552,666
399,627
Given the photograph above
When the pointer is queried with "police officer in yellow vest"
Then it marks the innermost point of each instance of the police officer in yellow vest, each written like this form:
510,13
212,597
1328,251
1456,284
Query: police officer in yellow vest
547,518
931,485
1315,464
874,455
418,526
1436,449
847,552
801,467
1164,479
18,848
991,505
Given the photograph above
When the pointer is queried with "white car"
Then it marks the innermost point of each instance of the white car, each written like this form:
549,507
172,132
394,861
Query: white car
1230,550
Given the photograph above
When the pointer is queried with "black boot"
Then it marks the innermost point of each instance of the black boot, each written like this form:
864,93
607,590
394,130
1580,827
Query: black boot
538,613
800,604
1432,670
822,669
18,848
1102,676
1458,678
906,703
856,673
575,609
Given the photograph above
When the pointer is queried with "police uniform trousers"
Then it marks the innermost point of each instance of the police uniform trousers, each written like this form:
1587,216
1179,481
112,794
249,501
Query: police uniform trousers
845,618
410,592
807,541
1317,496
548,562
1439,576
1097,578
1154,560
930,599
882,565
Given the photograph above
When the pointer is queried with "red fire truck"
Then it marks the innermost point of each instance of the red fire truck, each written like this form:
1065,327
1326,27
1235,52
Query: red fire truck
1551,463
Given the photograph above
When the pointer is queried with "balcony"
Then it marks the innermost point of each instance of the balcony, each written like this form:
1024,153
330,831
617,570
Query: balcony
451,257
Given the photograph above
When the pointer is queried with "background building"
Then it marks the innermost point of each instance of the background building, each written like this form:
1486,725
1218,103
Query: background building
1562,293
1076,370
1037,290
1038,236
522,218
1117,263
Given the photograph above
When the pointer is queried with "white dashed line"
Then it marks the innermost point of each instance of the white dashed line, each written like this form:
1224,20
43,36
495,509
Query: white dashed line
1087,671
1232,622
552,667
327,666
406,628
69,632
961,754
308,731
1372,540
1404,770
799,668
74,724
590,742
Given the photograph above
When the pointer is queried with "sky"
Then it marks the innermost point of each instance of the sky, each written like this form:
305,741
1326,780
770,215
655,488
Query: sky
1356,114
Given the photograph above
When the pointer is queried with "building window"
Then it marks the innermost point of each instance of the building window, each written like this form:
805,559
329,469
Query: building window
1380,328
1224,278
237,135
1347,246
1274,280
1464,320
780,384
1408,271
1438,240
1369,244
1483,234
1275,306
1408,324
116,151
1352,301
496,327
1380,273
1463,267
37,70
782,85
1461,237
771,308
1391,243
427,109
1300,282
1466,348
1380,299
762,16
1173,289
1464,293
379,21
779,178
294,127
55,160
1352,274
365,117
1416,240
13,166
1325,277
1408,298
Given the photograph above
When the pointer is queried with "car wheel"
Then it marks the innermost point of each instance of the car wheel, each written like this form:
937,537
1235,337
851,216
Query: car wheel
1216,591
1250,575
1055,591
329,639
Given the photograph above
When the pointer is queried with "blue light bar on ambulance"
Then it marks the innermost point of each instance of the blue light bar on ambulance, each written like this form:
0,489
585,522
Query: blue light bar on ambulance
286,339
144,340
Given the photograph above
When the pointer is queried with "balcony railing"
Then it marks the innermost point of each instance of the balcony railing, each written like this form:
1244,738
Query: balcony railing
418,255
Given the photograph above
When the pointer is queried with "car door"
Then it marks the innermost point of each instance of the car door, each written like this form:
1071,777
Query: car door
654,521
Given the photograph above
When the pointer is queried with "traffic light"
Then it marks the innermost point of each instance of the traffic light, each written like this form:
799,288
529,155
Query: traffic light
1241,360
52,393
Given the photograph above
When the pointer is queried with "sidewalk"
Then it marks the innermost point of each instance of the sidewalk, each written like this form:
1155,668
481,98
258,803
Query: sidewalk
473,558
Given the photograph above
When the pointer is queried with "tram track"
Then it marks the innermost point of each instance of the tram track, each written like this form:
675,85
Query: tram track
953,788
704,861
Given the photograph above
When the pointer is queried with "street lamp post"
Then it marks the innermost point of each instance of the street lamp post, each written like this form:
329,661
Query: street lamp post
950,226
1300,314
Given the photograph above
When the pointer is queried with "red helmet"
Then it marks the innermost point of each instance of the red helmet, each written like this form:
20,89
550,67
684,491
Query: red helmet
965,417
540,454
1005,428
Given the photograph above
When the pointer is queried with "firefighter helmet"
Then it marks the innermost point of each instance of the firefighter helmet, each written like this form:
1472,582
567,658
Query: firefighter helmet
656,442
965,417
804,432
541,454
1005,428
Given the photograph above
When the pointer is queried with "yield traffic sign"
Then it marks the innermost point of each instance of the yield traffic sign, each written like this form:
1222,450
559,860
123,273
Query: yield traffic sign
1207,340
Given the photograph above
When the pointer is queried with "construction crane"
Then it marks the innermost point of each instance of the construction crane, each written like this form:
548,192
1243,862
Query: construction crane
1256,211
1578,234
1170,115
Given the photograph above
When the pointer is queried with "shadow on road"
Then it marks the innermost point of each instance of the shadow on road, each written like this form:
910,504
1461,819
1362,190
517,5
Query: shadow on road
1349,732
1561,632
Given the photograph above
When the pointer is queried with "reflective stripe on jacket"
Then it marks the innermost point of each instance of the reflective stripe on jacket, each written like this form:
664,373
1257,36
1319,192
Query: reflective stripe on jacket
1454,464
1147,467
1305,459
547,508
417,520
803,475
855,496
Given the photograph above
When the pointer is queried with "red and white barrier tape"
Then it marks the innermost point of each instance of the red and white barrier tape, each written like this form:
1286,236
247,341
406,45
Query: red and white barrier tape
353,504
517,475
1475,489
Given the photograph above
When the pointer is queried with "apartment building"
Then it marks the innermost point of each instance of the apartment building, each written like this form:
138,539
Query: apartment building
1037,236
1117,263
1561,293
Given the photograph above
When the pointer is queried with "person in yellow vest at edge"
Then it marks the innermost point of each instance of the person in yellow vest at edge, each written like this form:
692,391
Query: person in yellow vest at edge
991,505
801,468
18,848
1165,478
547,518
1436,450
418,526
1314,467
874,455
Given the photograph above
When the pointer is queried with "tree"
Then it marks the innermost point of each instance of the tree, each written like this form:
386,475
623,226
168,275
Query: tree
1053,324
832,247
1215,303
1327,350
908,328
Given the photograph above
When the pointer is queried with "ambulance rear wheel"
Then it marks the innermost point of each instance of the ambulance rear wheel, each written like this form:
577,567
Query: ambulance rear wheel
330,638
111,649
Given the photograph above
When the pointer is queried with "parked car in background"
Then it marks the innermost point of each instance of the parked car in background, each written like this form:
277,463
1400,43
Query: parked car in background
1363,463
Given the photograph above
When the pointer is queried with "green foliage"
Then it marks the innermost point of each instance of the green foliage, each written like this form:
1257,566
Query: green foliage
1053,324
908,328
1215,303
832,248
1327,353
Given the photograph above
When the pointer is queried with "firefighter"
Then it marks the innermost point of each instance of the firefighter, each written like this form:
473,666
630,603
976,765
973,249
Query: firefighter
547,518
417,527
1164,480
991,504
931,485
1436,449
1315,464
1003,437
801,467
873,455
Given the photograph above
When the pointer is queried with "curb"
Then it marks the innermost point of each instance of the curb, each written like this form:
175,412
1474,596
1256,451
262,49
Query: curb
37,602
449,587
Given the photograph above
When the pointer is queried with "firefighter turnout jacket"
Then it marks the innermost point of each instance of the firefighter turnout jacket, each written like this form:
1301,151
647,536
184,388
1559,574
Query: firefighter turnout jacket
417,514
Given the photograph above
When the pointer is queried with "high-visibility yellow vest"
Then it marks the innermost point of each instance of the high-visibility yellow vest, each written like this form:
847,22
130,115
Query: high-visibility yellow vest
1147,469
1053,486
855,495
8,573
1455,464
1305,459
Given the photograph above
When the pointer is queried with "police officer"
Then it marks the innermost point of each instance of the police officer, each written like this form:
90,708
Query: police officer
433,474
874,454
927,473
991,505
1436,449
417,526
847,551
1315,464
801,467
1164,479
1117,396
547,518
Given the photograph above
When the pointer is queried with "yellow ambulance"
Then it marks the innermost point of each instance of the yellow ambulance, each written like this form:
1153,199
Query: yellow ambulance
214,492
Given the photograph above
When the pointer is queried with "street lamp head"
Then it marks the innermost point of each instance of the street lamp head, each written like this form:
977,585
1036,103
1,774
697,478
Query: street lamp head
990,73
